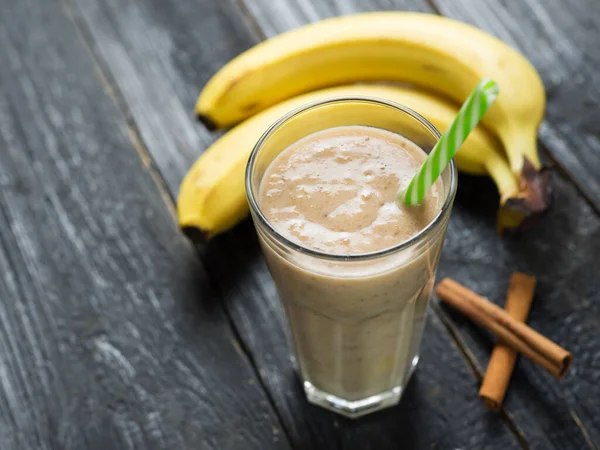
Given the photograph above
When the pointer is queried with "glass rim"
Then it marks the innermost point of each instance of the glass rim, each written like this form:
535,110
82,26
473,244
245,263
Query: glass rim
417,237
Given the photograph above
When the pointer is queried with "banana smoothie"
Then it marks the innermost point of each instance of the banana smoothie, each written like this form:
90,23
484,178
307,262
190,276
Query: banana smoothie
356,322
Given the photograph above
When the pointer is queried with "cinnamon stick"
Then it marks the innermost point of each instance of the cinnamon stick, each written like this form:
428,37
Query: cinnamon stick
541,350
518,303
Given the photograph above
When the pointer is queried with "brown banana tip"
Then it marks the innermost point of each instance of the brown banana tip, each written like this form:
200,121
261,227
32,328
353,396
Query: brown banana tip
196,235
527,207
207,122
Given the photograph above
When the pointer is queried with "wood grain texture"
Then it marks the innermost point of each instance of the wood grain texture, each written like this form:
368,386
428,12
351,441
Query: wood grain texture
440,408
558,415
274,17
562,252
561,39
111,336
248,290
234,262
558,37
178,47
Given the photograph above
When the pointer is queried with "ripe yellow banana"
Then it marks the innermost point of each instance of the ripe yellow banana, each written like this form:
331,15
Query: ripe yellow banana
212,196
440,54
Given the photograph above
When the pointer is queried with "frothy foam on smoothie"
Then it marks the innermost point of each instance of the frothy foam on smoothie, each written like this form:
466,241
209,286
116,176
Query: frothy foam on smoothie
335,191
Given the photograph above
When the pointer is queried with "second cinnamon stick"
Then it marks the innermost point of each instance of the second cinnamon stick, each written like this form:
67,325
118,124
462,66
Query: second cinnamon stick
502,361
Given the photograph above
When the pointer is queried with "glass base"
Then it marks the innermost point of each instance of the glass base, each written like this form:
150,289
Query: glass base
413,367
357,408
352,409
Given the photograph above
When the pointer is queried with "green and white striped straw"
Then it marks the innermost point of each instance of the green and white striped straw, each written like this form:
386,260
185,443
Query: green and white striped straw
468,117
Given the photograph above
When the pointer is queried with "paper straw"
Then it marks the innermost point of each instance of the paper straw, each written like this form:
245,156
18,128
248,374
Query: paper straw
468,117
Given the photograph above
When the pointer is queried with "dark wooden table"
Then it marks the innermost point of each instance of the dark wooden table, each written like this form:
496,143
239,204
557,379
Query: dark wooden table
116,333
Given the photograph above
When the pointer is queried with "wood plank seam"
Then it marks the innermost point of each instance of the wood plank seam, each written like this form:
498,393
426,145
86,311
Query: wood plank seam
460,344
253,25
143,153
112,90
584,431
564,171
252,361
594,203
567,174
546,149
146,157
477,369
433,6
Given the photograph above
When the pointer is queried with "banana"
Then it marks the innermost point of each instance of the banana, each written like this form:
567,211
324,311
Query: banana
212,197
437,53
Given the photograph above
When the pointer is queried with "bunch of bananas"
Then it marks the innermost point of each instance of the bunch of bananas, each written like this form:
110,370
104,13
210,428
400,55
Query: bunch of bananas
443,58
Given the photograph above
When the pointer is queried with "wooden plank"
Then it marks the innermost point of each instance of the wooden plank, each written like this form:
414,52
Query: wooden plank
271,19
440,408
161,86
111,335
561,252
436,408
560,412
567,61
560,39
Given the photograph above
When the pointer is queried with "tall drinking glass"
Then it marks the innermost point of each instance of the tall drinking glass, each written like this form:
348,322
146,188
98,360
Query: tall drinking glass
356,320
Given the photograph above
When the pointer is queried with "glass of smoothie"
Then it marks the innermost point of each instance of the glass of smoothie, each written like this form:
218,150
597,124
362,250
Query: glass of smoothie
354,269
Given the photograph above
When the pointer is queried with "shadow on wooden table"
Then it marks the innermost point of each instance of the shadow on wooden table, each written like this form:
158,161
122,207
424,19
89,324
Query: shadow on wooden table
412,424
478,195
232,258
